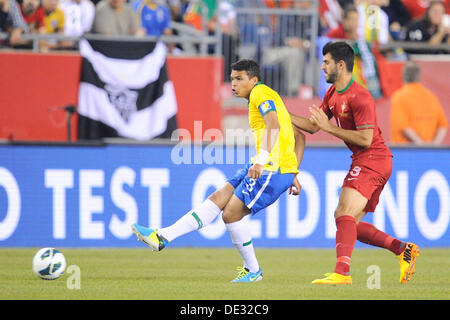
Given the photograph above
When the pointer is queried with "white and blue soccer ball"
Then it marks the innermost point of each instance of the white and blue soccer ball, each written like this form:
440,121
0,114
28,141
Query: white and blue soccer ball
49,263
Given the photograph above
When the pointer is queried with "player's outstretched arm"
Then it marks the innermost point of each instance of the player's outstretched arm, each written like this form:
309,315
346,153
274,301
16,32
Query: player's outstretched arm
303,124
299,150
362,138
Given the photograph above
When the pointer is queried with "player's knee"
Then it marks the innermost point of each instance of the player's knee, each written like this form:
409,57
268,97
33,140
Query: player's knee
338,213
230,216
342,211
222,196
227,217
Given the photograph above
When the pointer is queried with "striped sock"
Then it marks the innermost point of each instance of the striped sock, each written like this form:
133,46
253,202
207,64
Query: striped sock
242,240
191,221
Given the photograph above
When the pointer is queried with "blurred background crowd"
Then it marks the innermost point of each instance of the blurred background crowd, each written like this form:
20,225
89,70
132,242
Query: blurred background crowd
285,37
381,21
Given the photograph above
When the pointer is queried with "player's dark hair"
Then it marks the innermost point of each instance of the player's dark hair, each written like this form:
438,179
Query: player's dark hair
340,50
250,66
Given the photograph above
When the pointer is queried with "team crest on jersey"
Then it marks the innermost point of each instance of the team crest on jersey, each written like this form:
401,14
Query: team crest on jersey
123,99
344,108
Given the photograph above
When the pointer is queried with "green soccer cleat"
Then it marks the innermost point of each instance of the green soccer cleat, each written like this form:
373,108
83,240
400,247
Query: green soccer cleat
150,237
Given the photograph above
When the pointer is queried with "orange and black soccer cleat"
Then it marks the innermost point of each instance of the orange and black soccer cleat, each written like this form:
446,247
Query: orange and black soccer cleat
407,260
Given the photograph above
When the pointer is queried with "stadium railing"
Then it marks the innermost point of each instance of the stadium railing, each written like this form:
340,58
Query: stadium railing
292,30
186,39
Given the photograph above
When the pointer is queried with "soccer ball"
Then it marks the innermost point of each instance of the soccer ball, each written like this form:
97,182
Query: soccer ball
49,263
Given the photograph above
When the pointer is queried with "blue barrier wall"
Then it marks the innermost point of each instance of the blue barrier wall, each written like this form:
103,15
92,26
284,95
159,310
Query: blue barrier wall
74,196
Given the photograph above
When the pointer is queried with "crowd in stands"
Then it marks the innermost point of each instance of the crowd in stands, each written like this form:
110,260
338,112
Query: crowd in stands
279,42
379,21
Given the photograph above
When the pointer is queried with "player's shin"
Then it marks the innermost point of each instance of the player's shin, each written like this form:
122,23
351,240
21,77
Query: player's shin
345,241
191,221
242,240
368,233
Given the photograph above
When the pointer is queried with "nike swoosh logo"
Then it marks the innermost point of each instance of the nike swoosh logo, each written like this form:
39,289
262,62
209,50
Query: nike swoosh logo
254,278
352,178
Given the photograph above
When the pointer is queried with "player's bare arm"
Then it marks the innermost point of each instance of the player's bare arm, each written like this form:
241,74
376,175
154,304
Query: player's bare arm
269,140
303,124
299,151
362,138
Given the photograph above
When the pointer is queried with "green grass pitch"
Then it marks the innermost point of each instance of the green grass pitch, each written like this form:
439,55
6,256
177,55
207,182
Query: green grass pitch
205,274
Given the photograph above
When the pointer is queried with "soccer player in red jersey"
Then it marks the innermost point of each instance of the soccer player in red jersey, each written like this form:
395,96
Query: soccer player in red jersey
353,108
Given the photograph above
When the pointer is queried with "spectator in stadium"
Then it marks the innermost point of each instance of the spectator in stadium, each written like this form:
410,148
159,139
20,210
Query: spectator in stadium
175,9
54,23
222,13
116,18
154,17
330,13
54,17
417,8
373,22
227,18
416,114
432,28
348,28
11,21
79,16
34,16
399,18
194,13
288,46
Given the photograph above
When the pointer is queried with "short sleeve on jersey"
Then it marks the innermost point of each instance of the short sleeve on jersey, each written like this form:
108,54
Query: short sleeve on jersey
266,106
363,110
325,103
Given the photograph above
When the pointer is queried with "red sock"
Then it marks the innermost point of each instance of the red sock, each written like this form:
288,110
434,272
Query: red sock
367,233
345,241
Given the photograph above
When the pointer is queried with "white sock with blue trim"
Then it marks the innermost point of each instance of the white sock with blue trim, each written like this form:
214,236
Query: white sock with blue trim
242,240
191,221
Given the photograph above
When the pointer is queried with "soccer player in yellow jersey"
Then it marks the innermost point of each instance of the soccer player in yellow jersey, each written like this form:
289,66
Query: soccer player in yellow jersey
260,183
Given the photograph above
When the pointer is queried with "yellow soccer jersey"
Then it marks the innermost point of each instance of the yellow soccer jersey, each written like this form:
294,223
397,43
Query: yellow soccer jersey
54,21
282,157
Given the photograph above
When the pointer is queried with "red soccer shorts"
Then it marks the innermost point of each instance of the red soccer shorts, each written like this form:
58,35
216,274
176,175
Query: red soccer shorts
368,176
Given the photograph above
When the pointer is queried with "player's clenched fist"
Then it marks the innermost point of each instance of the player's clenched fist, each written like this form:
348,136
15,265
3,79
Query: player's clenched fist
295,188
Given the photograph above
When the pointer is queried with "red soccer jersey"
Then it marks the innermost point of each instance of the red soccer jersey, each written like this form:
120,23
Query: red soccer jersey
34,20
354,109
338,33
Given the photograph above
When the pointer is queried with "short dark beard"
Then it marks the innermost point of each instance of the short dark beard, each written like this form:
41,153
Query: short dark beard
332,77
29,10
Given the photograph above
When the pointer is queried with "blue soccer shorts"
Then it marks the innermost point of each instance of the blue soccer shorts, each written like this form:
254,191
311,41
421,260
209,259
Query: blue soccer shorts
262,192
